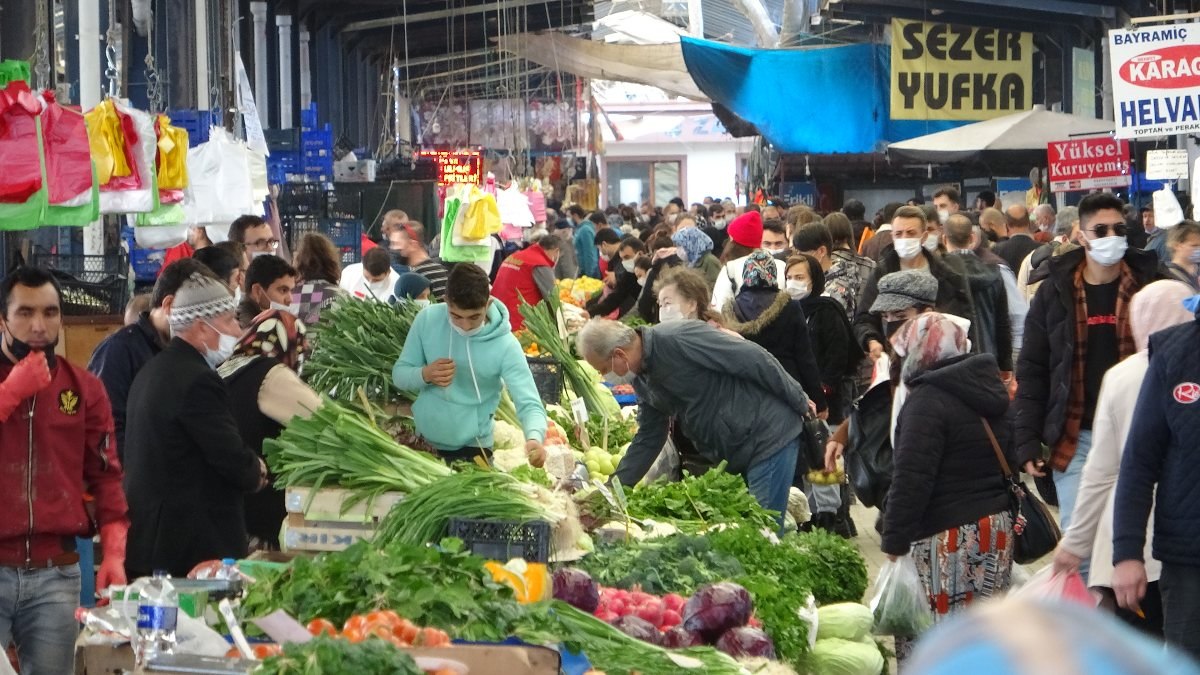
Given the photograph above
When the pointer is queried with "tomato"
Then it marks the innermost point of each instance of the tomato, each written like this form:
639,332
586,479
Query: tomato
432,637
262,651
391,616
322,627
353,634
233,653
407,631
357,622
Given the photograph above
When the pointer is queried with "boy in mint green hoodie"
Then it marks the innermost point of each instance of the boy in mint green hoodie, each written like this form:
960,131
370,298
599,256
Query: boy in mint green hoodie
457,356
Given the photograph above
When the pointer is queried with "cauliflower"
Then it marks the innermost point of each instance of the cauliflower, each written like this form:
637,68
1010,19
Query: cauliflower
506,436
507,459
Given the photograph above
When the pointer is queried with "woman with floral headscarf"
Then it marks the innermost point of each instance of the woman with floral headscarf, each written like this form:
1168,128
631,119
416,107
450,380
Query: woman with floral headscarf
769,317
265,393
695,248
948,505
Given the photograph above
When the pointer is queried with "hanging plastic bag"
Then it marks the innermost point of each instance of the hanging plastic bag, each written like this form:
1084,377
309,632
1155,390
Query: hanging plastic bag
220,184
1167,211
72,189
125,195
106,136
164,213
171,160
1047,585
455,210
22,184
482,220
901,603
256,162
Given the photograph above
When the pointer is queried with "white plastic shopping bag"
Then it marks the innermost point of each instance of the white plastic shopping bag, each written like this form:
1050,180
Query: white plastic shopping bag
901,603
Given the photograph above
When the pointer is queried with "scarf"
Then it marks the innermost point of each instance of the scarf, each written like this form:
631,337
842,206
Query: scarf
1064,449
693,244
275,334
760,271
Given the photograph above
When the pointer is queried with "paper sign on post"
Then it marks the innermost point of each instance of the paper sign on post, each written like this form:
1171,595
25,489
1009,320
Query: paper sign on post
1166,164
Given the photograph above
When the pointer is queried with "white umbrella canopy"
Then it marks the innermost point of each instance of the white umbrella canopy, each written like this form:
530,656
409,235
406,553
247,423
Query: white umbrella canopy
1020,137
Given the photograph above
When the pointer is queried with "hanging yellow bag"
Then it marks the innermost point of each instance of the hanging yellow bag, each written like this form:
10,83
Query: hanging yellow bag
172,155
106,137
483,217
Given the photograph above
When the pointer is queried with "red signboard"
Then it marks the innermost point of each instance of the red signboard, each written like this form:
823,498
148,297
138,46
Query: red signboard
1088,164
457,166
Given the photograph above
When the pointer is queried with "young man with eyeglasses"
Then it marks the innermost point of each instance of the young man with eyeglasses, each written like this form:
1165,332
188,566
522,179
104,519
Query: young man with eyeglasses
1077,328
255,234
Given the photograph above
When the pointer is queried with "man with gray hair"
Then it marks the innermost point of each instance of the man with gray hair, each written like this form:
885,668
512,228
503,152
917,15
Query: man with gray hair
1043,220
187,467
1032,271
730,396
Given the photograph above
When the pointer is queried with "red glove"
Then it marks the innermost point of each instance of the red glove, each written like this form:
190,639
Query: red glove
112,542
28,377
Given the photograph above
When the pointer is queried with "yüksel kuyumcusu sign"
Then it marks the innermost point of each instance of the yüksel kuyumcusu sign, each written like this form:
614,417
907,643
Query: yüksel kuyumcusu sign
1088,164
1156,80
948,72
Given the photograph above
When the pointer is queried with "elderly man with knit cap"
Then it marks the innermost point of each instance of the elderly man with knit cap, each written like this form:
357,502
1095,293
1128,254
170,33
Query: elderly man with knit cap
745,237
187,467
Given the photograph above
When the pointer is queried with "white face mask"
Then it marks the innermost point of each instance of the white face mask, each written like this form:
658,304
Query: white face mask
775,251
421,302
237,296
614,379
627,264
467,333
1107,251
669,313
943,215
797,289
642,281
282,307
930,244
225,346
907,249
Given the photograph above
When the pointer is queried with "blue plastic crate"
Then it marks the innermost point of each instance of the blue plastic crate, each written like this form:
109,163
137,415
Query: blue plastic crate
318,139
308,117
196,122
146,263
346,235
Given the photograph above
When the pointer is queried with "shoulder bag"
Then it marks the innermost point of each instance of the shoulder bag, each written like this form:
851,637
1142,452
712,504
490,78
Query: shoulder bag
1034,527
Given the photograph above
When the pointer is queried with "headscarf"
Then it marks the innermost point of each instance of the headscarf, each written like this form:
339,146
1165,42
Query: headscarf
816,276
273,334
693,244
1156,307
760,271
410,285
926,340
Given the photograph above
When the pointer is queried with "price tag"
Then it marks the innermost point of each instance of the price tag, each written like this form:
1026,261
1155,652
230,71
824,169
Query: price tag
580,413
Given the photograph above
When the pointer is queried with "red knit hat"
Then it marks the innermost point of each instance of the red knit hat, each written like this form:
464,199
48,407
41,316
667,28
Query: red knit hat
747,229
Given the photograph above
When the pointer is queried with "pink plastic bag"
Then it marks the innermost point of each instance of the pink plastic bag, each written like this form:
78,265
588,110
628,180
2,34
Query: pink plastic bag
1047,585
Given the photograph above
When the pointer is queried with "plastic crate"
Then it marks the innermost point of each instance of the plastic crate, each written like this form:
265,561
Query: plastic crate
282,140
196,122
146,262
504,540
308,117
548,377
318,139
302,200
90,268
346,235
106,297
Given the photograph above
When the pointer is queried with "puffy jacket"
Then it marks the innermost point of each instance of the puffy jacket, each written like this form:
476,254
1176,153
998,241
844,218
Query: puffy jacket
945,472
992,329
517,279
775,322
117,360
1048,353
1161,450
730,396
953,296
54,447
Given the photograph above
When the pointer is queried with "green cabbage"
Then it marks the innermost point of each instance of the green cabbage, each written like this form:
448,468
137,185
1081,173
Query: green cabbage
834,656
844,620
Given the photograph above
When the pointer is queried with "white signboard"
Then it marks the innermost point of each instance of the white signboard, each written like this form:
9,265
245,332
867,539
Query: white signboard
1156,79
1166,164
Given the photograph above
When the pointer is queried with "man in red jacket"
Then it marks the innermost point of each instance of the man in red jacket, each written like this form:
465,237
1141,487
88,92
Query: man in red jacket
56,431
528,274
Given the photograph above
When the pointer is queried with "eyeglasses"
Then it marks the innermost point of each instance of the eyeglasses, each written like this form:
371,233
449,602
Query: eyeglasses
1101,230
263,244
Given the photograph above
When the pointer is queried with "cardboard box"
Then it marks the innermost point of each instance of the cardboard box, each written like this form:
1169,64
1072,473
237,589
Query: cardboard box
301,534
328,505
361,171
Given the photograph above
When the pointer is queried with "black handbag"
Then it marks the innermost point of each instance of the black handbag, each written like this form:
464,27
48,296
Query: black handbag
869,446
1034,527
814,438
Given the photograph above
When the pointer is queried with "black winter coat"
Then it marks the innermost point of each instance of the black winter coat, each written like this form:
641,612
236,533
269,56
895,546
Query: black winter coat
117,360
775,322
1048,351
647,304
953,296
992,328
186,466
264,509
945,472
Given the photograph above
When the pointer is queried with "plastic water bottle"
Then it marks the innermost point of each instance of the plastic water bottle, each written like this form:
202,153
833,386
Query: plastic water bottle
228,570
158,612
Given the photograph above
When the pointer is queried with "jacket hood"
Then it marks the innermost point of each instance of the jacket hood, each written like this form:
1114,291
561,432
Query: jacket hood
753,309
974,379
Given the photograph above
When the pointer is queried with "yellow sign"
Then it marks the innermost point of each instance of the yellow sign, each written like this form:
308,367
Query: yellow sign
946,72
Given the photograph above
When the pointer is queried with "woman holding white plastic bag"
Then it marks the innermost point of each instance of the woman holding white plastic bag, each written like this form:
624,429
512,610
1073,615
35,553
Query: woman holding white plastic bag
1156,307
948,506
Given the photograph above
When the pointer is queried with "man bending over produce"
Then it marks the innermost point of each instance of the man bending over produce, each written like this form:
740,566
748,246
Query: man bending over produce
730,395
457,356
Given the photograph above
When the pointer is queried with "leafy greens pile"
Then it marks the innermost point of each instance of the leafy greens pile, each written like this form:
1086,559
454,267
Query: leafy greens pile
355,344
443,587
326,655
699,502
679,564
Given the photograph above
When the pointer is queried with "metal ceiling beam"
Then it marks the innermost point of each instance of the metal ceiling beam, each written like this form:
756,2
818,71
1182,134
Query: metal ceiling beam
439,14
470,54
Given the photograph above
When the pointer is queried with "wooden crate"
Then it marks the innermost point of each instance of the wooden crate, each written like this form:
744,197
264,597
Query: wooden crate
328,502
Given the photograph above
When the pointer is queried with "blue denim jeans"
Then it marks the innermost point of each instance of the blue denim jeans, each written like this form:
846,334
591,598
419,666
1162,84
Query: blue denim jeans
37,612
770,479
1067,482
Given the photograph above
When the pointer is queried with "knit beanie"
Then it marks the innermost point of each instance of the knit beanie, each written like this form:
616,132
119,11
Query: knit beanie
200,297
760,271
1157,307
747,229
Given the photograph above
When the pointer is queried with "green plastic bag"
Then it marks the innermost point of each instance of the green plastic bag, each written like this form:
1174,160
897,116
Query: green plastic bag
28,214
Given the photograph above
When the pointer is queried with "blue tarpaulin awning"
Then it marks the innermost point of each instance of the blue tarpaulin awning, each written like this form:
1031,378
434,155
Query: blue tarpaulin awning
820,100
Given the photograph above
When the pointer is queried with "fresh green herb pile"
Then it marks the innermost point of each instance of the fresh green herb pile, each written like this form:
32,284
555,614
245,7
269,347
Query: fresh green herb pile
699,502
472,493
326,655
355,344
613,652
443,587
679,564
338,446
541,320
